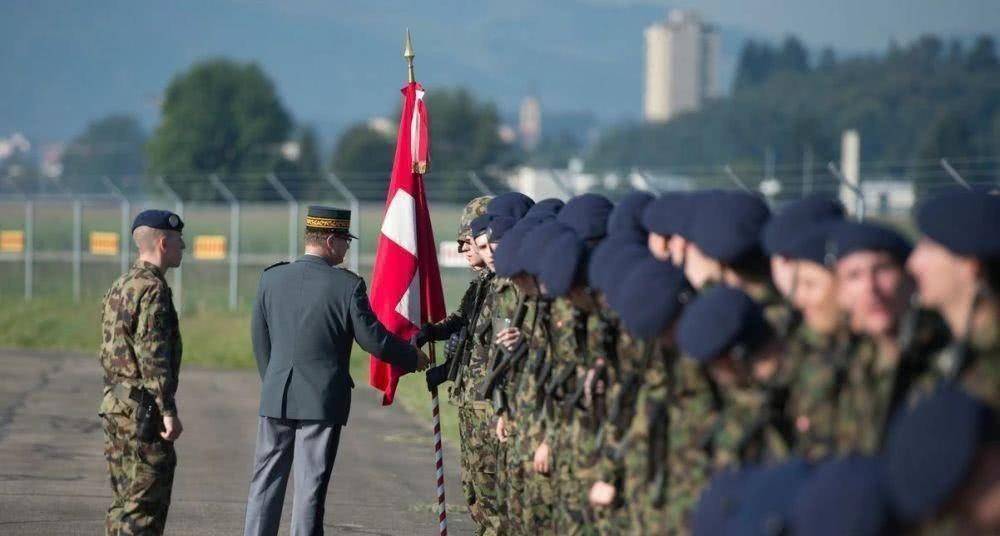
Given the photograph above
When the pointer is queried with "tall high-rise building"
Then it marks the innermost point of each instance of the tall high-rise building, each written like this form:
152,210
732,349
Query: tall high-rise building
530,122
681,58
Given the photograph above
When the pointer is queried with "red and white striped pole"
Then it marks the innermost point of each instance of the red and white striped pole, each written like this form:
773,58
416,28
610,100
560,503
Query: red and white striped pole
438,456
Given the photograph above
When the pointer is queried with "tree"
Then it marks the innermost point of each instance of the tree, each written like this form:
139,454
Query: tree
827,60
220,117
983,55
793,56
112,146
362,155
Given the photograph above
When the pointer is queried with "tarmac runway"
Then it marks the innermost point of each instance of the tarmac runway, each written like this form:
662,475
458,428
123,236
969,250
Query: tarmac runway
53,476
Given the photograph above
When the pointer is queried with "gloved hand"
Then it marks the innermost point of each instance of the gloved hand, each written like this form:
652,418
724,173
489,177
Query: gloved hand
437,375
451,345
424,335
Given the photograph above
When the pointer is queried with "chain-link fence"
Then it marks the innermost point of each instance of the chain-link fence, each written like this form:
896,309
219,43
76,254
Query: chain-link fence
68,240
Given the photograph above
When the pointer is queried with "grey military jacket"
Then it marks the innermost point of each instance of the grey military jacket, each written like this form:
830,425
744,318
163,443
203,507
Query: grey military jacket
306,318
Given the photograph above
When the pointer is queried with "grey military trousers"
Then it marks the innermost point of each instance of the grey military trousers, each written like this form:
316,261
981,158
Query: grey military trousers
305,448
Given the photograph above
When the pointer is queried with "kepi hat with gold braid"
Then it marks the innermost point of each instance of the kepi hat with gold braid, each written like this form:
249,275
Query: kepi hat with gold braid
333,220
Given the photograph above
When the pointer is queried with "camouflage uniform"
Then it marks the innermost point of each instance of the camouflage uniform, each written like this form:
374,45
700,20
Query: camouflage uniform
479,453
813,369
502,316
140,350
865,401
534,504
625,376
568,356
979,374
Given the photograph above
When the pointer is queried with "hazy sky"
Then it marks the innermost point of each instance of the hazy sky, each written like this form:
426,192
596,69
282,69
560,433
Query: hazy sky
65,63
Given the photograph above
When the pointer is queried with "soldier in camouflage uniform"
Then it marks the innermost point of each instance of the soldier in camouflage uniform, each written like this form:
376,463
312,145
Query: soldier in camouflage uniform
141,356
957,268
892,338
459,326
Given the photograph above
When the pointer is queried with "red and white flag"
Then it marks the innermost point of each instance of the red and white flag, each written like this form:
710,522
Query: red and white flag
406,284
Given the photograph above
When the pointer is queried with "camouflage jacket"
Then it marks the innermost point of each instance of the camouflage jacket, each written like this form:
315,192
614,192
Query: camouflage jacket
564,352
870,384
975,364
141,342
464,317
481,339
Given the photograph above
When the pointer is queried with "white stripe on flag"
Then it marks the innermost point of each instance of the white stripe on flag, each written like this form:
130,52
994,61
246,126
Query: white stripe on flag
400,223
409,303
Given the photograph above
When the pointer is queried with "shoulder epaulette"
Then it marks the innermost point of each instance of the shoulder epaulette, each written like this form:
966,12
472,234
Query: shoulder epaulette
275,264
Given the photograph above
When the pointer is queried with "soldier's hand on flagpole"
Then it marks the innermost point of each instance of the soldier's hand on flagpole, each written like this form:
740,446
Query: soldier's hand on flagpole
422,360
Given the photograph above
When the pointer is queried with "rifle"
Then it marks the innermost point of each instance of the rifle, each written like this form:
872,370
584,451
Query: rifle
461,349
657,470
498,364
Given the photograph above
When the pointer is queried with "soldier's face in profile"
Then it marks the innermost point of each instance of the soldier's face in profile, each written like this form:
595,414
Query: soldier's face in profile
873,290
472,255
485,249
942,277
699,268
173,249
783,275
816,296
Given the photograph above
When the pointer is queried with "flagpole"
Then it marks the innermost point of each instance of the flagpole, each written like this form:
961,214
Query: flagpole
435,404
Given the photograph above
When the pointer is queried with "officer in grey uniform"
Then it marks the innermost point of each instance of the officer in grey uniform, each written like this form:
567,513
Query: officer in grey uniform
306,316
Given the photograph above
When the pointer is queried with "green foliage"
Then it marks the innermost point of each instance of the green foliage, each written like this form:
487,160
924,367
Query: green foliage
914,102
112,146
219,117
463,137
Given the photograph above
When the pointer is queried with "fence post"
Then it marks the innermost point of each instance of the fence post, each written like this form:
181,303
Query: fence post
125,223
355,218
178,290
234,238
859,200
77,246
293,215
29,248
954,174
736,179
478,183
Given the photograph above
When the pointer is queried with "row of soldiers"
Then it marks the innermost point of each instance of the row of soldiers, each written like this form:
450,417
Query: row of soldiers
694,363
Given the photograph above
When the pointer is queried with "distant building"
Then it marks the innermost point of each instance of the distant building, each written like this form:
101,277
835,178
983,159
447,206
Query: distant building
681,59
530,123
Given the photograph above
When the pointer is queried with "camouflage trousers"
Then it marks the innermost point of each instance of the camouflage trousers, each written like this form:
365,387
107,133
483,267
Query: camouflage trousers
480,450
142,476
573,469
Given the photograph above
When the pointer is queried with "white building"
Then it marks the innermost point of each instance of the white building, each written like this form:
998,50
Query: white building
681,59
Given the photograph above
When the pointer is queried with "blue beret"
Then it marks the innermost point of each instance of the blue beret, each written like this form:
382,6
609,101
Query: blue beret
719,502
811,243
626,217
843,496
672,212
727,225
719,320
849,237
506,261
158,219
498,226
930,450
536,244
607,262
768,495
651,298
784,227
512,204
965,222
480,224
563,263
545,207
587,214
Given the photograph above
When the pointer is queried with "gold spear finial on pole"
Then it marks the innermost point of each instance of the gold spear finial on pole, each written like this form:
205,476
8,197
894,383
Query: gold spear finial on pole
409,55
